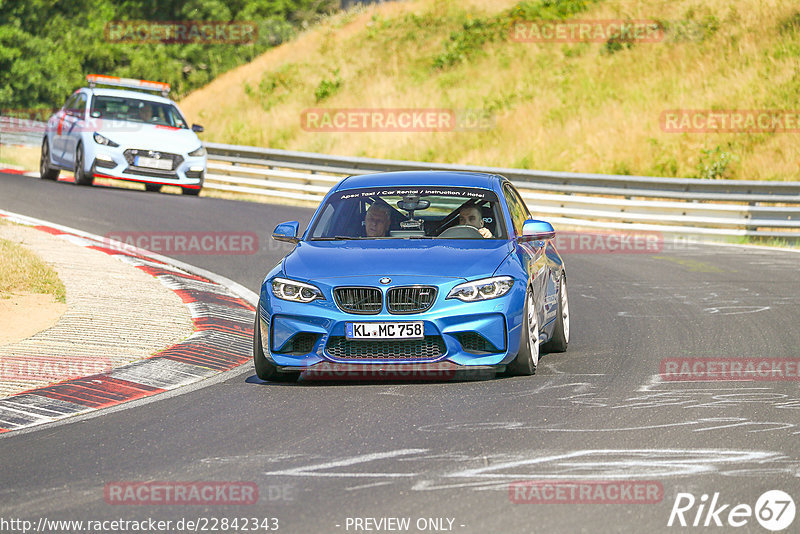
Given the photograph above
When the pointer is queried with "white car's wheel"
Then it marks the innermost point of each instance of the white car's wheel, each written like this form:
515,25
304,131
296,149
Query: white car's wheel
46,172
81,177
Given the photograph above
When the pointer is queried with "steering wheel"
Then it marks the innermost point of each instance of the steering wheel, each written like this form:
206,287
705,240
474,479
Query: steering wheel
462,231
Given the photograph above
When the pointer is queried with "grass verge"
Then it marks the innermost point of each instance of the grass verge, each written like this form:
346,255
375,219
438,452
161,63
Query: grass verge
22,271
20,156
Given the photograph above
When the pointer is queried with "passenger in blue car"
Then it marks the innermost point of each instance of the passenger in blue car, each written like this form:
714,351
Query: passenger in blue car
471,216
377,221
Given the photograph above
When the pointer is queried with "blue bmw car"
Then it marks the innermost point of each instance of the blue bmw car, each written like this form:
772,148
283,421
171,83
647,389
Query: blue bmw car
413,269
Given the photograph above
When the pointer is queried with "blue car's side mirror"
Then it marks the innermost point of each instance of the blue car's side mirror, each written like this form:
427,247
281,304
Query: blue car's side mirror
287,232
536,230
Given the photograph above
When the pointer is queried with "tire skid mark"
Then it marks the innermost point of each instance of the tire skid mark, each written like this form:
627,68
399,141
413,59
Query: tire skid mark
426,470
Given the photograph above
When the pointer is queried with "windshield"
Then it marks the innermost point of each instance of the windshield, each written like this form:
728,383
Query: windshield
410,213
135,110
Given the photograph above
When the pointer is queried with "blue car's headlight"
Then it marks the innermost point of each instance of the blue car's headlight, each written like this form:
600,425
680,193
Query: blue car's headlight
199,152
100,140
295,291
485,289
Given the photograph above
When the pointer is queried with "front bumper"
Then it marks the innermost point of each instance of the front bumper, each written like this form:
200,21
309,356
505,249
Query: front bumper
301,336
111,163
438,372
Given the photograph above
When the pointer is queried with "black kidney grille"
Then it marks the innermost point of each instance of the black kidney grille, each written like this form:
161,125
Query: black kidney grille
361,300
429,348
412,299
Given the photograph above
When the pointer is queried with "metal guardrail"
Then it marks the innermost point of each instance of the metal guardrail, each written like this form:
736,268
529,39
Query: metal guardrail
685,206
24,133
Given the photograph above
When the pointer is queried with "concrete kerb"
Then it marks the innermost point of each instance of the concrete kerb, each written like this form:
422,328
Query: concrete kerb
222,312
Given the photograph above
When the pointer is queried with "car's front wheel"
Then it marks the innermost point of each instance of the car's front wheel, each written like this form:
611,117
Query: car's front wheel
560,339
264,369
528,356
81,176
46,172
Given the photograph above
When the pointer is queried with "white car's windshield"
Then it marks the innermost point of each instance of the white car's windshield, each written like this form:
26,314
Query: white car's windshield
410,213
135,110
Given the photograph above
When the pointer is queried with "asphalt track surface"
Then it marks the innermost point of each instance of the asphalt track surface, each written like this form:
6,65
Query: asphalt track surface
323,453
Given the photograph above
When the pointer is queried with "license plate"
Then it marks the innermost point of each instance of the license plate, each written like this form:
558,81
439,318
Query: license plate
153,163
407,330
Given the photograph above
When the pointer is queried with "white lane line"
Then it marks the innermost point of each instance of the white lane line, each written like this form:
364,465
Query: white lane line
162,373
76,240
203,309
139,262
35,410
46,405
179,282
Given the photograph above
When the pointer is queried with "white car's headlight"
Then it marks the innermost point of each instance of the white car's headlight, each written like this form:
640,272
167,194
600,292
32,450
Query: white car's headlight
100,140
485,289
295,291
199,152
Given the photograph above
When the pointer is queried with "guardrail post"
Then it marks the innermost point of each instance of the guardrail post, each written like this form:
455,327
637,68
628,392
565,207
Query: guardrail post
749,217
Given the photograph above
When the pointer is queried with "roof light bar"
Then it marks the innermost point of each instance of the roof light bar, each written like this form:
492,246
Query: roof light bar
131,83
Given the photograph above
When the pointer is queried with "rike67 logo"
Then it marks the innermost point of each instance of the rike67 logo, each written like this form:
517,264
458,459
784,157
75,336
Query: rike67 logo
774,510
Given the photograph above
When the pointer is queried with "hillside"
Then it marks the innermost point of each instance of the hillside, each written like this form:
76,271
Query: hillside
585,107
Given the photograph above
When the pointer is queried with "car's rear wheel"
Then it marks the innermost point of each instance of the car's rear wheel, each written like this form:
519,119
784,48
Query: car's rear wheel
190,191
153,188
81,176
528,356
264,369
560,339
46,172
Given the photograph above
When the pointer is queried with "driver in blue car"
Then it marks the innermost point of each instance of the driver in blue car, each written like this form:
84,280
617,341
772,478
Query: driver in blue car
471,216
377,221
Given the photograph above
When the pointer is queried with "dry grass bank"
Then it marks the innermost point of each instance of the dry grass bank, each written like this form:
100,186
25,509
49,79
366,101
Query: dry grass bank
587,107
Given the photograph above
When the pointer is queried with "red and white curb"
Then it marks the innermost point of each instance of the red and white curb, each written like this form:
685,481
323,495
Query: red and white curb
15,169
222,312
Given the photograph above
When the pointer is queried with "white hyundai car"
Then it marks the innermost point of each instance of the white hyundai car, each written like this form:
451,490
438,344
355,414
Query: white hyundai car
124,133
